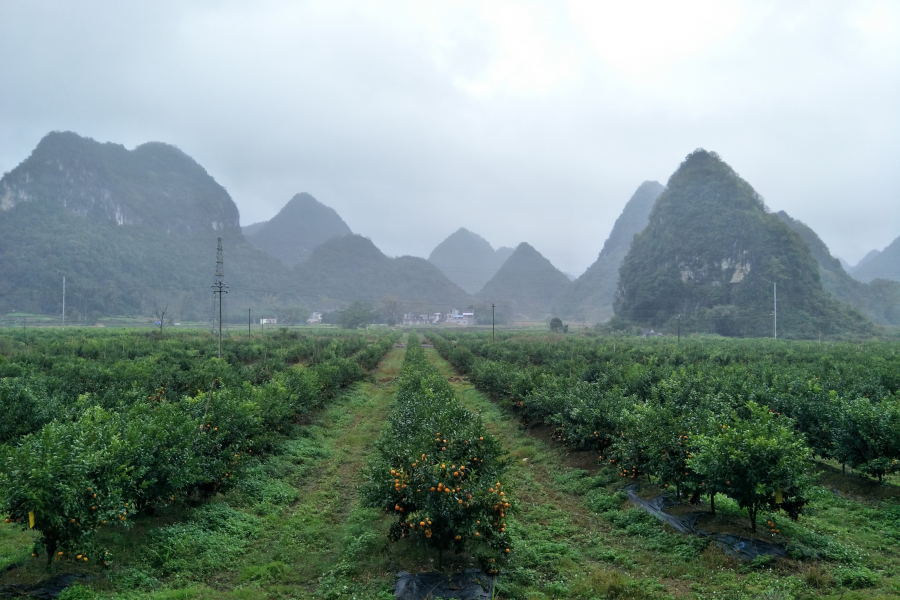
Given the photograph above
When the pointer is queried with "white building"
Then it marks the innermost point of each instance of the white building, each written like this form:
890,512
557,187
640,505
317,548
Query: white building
454,317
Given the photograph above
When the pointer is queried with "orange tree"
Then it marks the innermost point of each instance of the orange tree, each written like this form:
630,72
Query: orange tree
70,479
756,458
437,470
867,436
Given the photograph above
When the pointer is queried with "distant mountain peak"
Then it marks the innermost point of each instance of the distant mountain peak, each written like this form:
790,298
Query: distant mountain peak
468,259
884,264
527,281
299,227
880,301
347,268
590,297
155,185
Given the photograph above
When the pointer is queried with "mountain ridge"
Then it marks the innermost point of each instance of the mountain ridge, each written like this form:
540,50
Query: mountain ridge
884,264
468,259
527,282
712,253
350,268
131,230
877,300
591,296
301,225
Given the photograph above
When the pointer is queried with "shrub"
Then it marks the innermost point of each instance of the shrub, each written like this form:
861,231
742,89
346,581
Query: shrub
759,461
438,471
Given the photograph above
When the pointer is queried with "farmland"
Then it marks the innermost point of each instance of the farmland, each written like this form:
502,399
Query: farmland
317,464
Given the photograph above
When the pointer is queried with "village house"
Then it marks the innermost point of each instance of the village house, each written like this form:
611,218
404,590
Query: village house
465,319
414,319
453,317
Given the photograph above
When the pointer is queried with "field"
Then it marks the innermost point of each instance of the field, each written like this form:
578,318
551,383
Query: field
318,464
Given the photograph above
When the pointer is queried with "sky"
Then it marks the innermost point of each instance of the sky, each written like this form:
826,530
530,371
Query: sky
521,121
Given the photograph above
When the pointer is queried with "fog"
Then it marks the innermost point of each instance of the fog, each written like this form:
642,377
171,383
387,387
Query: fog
521,121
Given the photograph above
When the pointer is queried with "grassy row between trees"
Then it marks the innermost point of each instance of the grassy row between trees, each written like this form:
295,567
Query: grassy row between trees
702,430
70,467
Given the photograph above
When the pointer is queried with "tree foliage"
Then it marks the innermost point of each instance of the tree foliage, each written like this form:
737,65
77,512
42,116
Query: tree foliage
712,253
437,470
757,460
356,315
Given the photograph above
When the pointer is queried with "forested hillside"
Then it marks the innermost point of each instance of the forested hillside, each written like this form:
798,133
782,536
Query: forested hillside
527,282
879,299
712,254
132,232
301,225
350,268
590,297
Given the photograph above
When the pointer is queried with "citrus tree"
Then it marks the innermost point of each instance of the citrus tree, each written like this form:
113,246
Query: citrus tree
438,472
67,481
755,457
867,436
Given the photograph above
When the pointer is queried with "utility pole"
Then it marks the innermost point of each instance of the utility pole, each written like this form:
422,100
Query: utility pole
248,323
64,302
492,322
679,330
219,286
775,313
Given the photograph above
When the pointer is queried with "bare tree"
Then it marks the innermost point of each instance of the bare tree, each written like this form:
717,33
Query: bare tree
161,317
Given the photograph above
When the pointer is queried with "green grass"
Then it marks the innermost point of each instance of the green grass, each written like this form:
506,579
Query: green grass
576,535
294,528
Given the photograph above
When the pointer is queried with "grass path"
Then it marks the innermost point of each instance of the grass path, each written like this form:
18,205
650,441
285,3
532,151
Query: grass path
578,538
293,528
568,548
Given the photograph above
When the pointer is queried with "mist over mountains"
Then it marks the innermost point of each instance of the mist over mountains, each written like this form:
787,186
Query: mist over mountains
884,264
350,267
301,225
468,259
527,282
590,297
135,230
879,299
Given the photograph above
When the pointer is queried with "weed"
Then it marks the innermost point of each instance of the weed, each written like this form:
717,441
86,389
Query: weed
856,577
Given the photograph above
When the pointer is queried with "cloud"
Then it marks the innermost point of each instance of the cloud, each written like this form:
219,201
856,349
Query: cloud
518,120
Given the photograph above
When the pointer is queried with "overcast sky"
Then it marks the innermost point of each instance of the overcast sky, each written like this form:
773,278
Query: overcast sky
521,121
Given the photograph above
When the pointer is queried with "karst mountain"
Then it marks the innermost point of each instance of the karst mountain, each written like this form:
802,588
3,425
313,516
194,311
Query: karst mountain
301,225
527,282
590,297
131,230
711,257
468,259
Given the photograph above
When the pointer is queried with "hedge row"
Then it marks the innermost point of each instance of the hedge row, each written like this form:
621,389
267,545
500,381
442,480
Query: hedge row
438,471
75,476
699,445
